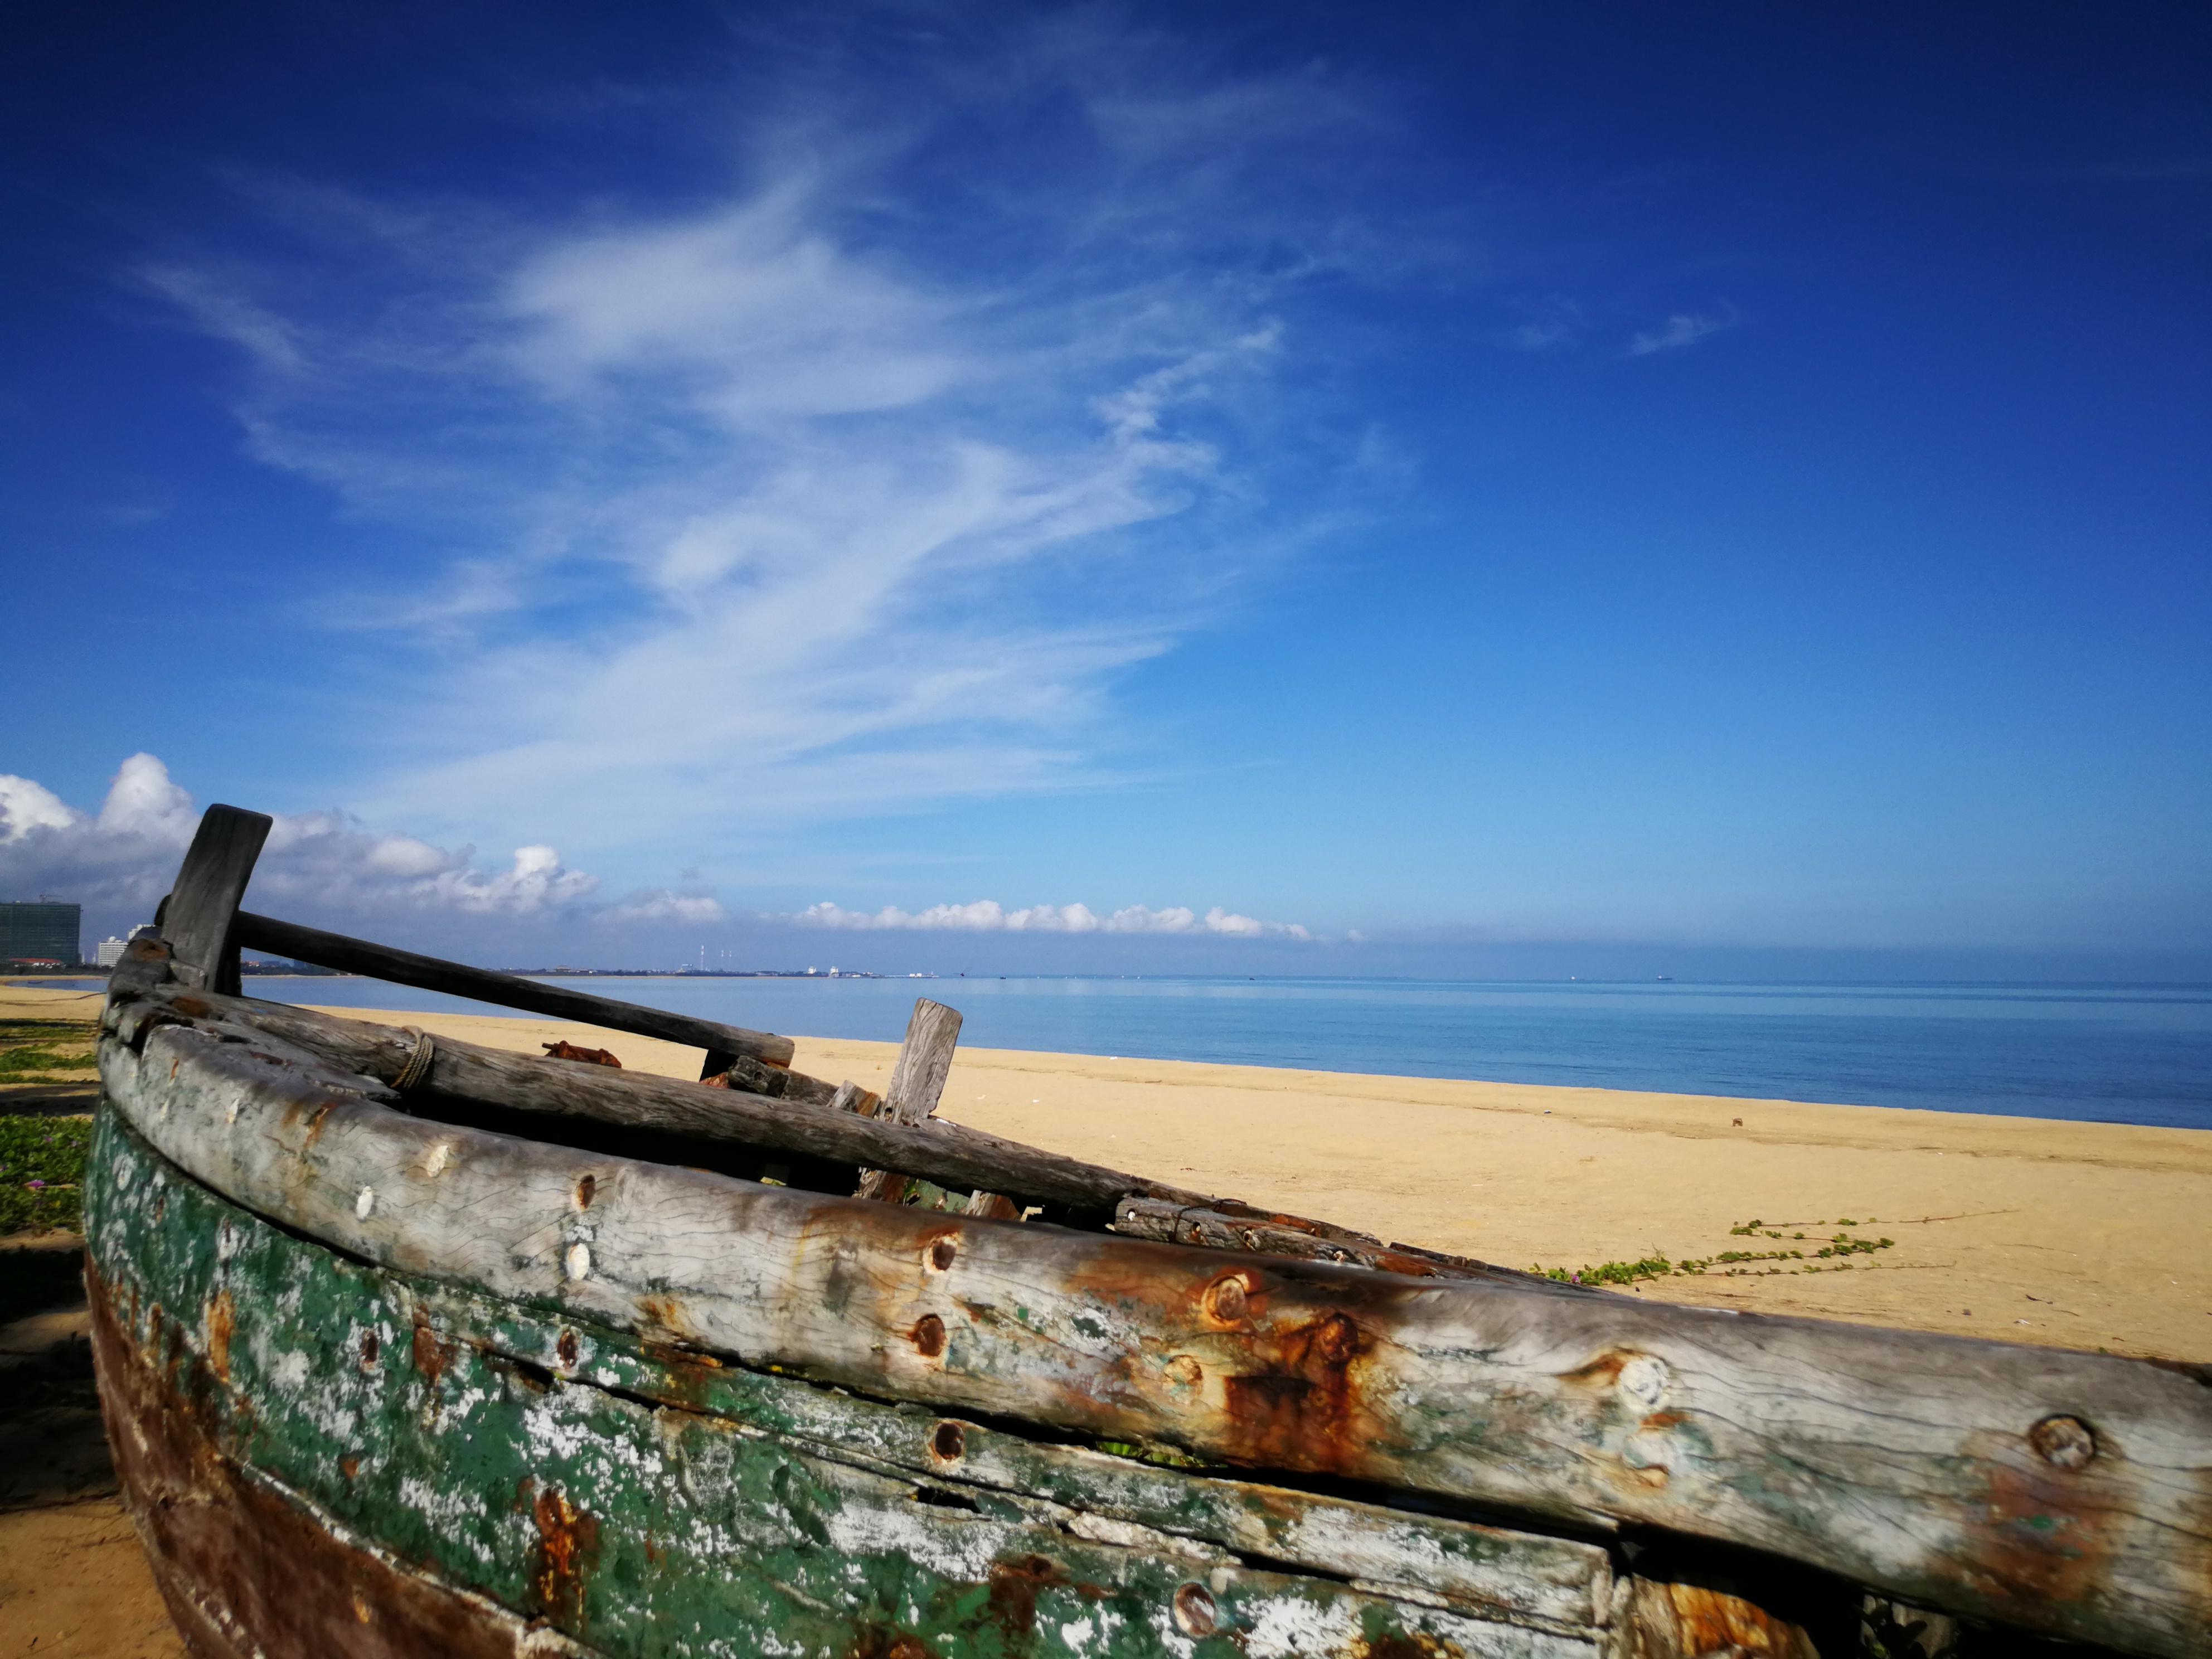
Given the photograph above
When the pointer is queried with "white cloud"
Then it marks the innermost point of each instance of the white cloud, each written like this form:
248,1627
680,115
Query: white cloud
26,806
812,497
1681,330
751,303
987,916
142,800
127,854
660,904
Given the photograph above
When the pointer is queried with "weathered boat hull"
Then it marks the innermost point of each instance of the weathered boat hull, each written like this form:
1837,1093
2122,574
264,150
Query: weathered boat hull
325,1458
410,1345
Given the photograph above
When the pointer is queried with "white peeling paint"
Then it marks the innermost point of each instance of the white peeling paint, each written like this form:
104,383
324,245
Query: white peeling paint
440,1503
1283,1626
579,1261
364,1203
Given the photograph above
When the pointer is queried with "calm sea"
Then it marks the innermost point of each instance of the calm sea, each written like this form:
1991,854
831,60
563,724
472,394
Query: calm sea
2113,1054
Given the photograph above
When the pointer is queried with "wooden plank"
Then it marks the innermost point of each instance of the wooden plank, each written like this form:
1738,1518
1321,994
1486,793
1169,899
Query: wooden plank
456,1435
2067,1493
356,956
925,1060
249,1571
199,917
944,1152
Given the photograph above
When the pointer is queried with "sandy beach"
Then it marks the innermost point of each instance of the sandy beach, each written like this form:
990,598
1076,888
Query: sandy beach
2082,1235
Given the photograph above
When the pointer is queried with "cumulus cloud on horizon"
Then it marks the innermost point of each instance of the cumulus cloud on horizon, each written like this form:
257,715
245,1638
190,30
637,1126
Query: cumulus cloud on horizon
126,854
987,916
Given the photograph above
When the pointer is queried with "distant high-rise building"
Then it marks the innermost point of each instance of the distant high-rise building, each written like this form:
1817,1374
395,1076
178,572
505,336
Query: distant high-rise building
109,951
41,932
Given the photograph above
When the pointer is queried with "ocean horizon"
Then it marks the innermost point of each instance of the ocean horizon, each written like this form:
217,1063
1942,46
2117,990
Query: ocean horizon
2111,1053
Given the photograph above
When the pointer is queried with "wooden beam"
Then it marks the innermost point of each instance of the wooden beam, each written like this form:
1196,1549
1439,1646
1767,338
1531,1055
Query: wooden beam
2063,1492
199,918
357,956
917,1084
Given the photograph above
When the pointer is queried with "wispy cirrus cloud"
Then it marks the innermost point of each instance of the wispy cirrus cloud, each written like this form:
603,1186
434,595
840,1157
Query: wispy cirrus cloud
1682,330
988,916
847,486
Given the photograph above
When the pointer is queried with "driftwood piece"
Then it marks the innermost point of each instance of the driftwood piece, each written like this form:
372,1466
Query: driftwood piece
199,918
1222,1224
944,1153
2064,1492
356,956
925,1060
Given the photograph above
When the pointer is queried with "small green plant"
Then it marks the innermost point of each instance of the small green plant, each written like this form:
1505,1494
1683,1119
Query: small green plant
1609,1273
41,1171
1732,1264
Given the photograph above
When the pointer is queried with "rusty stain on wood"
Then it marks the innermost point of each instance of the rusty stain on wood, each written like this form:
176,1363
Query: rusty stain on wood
222,1321
568,1553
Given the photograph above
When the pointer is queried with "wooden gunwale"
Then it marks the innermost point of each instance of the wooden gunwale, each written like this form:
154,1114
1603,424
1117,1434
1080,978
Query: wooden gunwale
297,1388
1905,1462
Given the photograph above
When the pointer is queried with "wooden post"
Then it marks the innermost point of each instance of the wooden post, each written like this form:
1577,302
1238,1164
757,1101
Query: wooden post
925,1060
199,915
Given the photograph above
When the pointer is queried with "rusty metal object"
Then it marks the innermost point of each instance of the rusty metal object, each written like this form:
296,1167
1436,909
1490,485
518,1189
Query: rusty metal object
565,1049
2064,1442
1692,1621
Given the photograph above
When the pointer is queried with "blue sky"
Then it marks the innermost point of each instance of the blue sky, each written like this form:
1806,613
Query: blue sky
1709,489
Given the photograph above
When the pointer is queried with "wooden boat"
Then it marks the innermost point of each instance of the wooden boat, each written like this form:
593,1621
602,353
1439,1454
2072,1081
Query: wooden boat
411,1347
